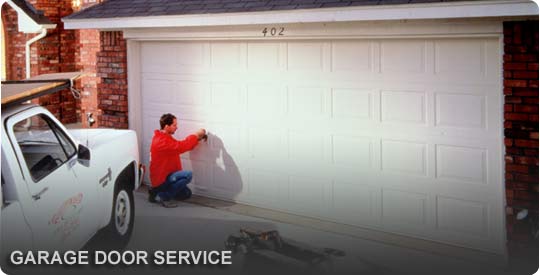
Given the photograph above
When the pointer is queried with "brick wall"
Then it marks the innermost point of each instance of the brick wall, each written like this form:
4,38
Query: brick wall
15,68
112,69
521,123
53,53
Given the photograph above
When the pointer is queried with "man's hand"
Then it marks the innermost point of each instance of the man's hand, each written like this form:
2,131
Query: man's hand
201,134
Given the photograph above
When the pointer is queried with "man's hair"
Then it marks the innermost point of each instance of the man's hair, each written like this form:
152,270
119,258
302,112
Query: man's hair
166,119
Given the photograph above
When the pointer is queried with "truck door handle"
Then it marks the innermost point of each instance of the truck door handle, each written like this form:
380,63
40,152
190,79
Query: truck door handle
38,195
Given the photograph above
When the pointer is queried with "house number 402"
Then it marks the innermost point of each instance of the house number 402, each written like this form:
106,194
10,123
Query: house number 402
273,31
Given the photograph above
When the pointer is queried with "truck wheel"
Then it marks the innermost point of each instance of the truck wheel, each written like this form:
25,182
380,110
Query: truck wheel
122,219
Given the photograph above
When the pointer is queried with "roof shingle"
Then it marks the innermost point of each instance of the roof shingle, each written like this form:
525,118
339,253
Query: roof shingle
132,8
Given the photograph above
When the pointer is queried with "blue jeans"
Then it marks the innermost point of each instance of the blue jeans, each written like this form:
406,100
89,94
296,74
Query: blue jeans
175,183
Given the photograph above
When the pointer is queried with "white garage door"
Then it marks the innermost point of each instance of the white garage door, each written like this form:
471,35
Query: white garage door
402,135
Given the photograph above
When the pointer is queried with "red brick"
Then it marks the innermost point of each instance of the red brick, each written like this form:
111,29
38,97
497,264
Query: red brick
526,108
508,107
533,83
509,159
532,66
524,195
512,99
515,66
525,75
533,135
530,100
525,57
530,152
515,83
508,142
526,143
526,178
525,160
515,116
524,169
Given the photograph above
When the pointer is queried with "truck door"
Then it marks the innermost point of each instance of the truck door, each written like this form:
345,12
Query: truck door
46,157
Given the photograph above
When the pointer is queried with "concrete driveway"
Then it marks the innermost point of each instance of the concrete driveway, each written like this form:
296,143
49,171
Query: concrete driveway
195,227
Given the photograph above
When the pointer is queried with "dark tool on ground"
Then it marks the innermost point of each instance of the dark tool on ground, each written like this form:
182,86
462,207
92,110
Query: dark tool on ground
271,247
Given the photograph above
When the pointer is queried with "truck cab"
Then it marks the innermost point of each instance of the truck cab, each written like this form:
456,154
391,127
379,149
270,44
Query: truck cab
60,187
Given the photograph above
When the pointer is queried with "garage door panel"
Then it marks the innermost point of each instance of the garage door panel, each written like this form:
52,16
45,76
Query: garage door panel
404,157
306,195
353,152
264,56
392,134
458,110
460,57
404,209
356,204
269,188
404,107
193,93
403,56
352,57
352,103
305,57
228,56
158,57
266,100
268,144
307,147
308,102
465,217
462,163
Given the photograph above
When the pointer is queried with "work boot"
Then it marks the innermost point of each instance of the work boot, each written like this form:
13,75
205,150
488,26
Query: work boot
169,204
152,196
184,194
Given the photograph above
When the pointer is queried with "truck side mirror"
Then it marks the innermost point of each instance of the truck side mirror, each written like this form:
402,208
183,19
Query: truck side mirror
83,155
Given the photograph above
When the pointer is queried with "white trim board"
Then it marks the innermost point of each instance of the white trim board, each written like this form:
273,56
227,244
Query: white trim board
476,9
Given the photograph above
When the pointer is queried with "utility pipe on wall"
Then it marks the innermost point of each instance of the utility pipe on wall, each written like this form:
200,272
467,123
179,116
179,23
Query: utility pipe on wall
27,49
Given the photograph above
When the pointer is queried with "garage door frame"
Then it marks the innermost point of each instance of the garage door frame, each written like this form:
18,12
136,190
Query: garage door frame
359,30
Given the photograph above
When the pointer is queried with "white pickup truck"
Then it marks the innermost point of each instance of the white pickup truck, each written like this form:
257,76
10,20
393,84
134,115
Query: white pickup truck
59,186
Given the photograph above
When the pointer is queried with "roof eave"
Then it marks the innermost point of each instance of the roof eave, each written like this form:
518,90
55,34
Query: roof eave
477,9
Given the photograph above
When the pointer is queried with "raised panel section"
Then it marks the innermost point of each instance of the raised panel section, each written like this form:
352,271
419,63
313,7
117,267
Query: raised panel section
354,203
458,110
306,102
265,143
404,157
306,147
227,178
190,55
402,56
158,57
304,56
265,100
263,56
267,187
463,216
191,93
306,195
352,151
226,56
463,57
226,137
404,207
351,56
403,107
461,163
226,99
159,91
351,103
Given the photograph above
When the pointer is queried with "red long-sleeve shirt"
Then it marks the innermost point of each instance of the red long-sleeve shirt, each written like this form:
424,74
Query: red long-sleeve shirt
165,155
